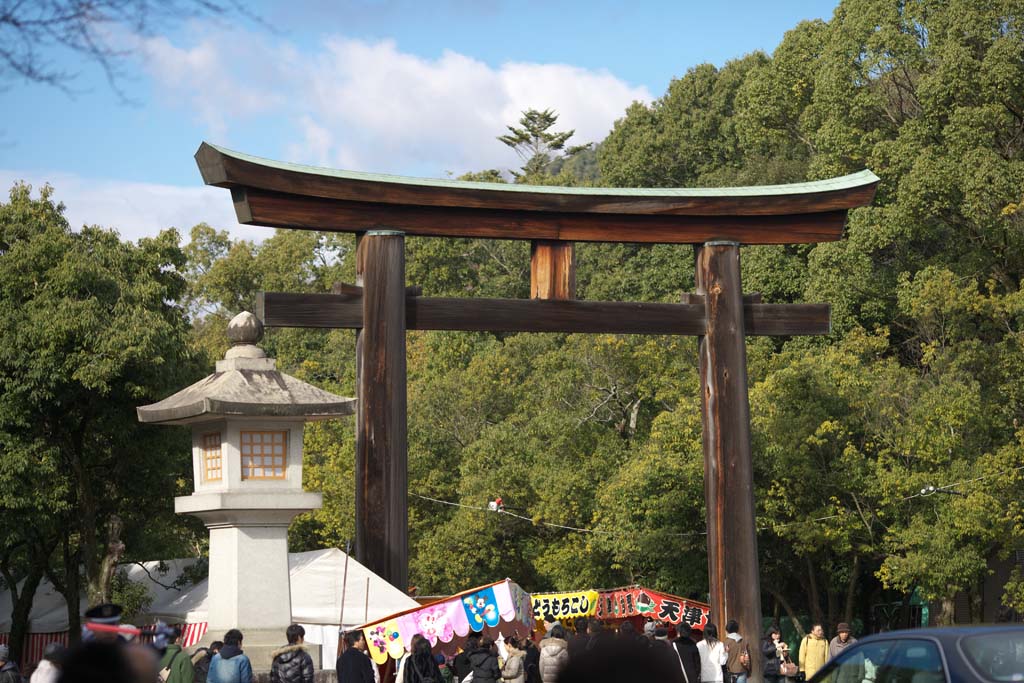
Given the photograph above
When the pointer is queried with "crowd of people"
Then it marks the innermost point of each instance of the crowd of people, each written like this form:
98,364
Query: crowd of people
591,653
113,653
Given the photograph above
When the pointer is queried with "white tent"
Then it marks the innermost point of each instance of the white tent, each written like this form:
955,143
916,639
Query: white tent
50,612
316,583
316,579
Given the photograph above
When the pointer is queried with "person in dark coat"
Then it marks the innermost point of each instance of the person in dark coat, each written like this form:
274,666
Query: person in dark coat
461,662
531,660
201,660
353,665
102,661
619,660
292,663
578,643
688,654
666,653
8,670
770,645
485,662
421,667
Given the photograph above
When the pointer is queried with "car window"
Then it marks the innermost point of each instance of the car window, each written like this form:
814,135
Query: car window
858,664
913,661
996,656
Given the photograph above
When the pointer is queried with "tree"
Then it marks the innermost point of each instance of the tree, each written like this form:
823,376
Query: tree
536,146
90,328
88,29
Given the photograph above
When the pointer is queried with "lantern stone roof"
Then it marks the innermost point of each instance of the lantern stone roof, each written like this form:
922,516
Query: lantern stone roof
247,384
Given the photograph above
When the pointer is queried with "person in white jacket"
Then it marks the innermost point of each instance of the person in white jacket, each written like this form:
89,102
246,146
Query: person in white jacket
48,670
712,656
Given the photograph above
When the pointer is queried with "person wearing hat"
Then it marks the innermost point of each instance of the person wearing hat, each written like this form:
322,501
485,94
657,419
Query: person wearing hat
842,641
8,670
845,674
107,614
549,623
175,665
48,670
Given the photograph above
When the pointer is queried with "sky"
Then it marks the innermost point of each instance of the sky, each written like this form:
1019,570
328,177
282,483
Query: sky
389,86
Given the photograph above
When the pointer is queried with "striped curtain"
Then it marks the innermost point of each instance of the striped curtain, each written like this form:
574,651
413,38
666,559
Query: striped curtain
37,642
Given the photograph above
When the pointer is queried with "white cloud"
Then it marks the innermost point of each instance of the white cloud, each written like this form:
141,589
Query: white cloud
137,209
369,106
224,78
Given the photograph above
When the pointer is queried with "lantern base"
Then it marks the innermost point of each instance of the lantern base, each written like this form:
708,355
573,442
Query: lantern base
259,645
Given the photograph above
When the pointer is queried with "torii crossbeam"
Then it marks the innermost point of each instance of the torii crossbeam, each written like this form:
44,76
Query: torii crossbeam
381,210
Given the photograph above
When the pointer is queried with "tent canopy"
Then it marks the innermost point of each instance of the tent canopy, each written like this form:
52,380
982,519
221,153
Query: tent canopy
316,583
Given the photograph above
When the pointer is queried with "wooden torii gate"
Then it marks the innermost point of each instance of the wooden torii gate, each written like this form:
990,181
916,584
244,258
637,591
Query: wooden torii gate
381,210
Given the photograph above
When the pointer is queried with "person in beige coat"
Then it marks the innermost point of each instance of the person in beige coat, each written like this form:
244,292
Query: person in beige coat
514,670
554,654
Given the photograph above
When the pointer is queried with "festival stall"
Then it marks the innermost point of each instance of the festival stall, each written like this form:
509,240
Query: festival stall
447,623
321,581
619,604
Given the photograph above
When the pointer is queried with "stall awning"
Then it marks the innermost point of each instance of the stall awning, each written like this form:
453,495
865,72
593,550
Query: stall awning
497,608
621,603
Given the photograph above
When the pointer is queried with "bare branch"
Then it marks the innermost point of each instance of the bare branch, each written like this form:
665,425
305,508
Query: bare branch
31,31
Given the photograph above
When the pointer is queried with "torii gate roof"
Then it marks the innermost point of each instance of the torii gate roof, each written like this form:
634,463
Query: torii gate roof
280,194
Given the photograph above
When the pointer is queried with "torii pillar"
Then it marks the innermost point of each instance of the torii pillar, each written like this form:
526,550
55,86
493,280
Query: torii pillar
728,467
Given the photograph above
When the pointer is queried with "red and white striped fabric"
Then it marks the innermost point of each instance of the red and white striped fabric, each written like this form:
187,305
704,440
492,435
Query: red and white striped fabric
192,633
37,642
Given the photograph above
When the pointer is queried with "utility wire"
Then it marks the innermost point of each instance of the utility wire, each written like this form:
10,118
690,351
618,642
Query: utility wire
479,508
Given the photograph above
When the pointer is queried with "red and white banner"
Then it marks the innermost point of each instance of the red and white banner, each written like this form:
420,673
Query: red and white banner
636,601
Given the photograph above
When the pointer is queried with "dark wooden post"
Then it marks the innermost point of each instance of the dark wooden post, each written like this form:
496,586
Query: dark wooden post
552,270
381,468
728,469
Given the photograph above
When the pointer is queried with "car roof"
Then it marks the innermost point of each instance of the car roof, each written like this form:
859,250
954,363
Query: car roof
945,632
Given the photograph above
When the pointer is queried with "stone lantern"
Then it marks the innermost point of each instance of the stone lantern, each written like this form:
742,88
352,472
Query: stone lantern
247,422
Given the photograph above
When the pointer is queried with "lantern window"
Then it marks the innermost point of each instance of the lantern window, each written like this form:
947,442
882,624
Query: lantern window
263,454
213,469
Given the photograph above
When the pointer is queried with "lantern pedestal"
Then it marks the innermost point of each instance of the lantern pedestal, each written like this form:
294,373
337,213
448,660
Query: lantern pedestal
249,577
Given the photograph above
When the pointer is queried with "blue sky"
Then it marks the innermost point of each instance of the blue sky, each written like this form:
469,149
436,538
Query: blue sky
414,88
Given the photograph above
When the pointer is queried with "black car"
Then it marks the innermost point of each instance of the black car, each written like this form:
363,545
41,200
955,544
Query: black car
964,654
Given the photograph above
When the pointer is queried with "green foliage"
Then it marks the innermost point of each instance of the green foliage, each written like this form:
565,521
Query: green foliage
133,596
90,328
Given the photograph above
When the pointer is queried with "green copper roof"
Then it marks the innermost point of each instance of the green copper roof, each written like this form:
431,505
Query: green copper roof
859,179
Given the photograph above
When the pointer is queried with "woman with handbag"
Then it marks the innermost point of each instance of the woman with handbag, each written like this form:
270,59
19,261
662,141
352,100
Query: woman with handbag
771,649
787,667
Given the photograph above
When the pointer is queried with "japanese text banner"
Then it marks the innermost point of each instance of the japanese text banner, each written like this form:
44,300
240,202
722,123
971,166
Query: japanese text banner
642,602
564,605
